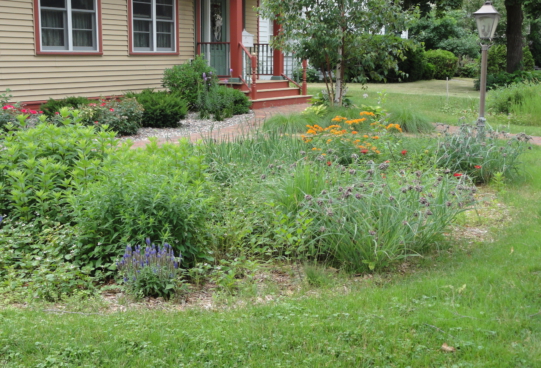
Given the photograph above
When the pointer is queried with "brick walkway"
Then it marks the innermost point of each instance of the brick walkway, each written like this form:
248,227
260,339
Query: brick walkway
260,116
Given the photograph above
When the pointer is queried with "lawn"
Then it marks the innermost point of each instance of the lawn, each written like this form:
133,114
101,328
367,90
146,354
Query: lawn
430,99
480,298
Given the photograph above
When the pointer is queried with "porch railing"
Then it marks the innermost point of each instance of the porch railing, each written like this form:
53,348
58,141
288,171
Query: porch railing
265,58
249,70
218,55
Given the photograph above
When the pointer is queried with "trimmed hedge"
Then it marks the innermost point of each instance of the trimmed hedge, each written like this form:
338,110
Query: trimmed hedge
162,109
445,62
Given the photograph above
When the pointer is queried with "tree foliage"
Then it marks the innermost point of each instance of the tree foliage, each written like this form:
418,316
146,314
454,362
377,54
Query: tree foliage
332,32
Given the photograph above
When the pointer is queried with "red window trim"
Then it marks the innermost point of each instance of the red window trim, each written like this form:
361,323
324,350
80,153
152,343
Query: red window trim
146,53
37,35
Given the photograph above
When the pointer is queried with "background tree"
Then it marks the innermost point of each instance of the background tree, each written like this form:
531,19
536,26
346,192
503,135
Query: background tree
331,32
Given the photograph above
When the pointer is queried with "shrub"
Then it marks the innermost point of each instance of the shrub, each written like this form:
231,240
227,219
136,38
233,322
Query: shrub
468,68
504,79
503,99
429,71
410,121
52,106
465,153
40,165
161,109
222,102
445,63
188,79
413,64
497,59
312,75
149,272
158,192
123,117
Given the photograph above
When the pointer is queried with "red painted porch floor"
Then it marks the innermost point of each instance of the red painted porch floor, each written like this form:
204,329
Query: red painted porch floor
259,118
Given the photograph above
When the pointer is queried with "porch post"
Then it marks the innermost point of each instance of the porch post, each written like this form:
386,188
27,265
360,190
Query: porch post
235,36
278,56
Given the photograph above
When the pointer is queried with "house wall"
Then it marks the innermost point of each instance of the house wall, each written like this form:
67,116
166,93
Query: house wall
34,77
251,19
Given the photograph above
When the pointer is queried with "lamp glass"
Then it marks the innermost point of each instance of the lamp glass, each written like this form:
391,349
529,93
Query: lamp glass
485,26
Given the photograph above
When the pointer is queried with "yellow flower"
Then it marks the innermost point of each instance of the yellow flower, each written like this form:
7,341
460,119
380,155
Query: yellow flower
353,132
365,136
378,152
375,137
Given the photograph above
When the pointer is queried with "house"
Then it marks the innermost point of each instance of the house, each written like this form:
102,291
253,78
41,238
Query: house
92,48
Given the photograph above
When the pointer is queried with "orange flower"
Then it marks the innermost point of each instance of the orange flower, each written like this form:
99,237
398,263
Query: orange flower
375,137
353,132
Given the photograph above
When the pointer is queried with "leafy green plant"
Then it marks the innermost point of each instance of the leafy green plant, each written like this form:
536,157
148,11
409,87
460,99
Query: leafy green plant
40,165
445,63
429,71
151,271
159,192
52,106
504,79
161,109
468,153
123,117
187,80
512,98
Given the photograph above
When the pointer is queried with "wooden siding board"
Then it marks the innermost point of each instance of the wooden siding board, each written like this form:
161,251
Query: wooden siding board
39,77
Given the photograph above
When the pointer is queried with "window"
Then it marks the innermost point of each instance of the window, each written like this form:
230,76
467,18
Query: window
68,25
154,25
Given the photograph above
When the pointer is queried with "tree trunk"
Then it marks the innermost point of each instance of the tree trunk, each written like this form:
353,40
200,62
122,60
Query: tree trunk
338,89
513,34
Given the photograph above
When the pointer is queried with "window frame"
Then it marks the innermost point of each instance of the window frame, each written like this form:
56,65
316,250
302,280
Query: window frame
154,20
70,50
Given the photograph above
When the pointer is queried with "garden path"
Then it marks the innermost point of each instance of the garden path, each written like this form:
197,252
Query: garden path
231,131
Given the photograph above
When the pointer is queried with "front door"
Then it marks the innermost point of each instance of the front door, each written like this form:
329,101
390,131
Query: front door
215,34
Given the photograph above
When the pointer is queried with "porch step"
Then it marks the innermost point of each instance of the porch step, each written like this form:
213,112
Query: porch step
271,84
277,92
279,101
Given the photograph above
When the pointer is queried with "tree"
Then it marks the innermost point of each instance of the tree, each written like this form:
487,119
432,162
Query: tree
325,31
516,9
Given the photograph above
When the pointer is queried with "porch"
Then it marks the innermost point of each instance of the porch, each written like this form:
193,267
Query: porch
265,74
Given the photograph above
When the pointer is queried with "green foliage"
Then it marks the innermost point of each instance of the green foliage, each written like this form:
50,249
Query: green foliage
429,71
312,75
122,117
381,216
150,272
468,68
511,98
222,102
52,106
35,261
410,120
189,79
504,79
161,109
447,32
467,153
527,59
497,59
40,166
159,192
445,63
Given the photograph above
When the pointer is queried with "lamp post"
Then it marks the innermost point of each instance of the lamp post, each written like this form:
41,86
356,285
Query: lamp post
487,20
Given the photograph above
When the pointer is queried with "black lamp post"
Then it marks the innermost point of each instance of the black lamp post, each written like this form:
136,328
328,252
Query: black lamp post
487,20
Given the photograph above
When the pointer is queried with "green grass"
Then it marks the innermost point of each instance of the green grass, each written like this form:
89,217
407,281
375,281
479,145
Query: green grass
430,99
482,298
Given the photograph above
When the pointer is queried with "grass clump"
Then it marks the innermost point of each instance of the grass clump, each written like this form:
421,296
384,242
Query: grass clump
410,121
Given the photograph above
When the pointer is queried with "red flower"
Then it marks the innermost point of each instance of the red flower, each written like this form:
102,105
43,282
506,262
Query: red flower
111,109
404,152
364,151
5,107
96,123
56,113
478,166
33,111
23,111
329,163
457,174
103,104
40,112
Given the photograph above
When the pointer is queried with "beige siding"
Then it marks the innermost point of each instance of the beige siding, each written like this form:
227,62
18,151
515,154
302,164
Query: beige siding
34,77
251,19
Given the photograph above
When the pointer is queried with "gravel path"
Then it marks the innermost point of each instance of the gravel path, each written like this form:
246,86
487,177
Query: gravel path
188,126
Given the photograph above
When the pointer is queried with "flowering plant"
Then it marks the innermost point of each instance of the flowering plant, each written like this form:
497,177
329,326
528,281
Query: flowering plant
365,136
150,272
19,117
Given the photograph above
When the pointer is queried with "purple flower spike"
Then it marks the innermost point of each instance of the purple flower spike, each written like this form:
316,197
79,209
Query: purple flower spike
205,76
1,219
147,241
